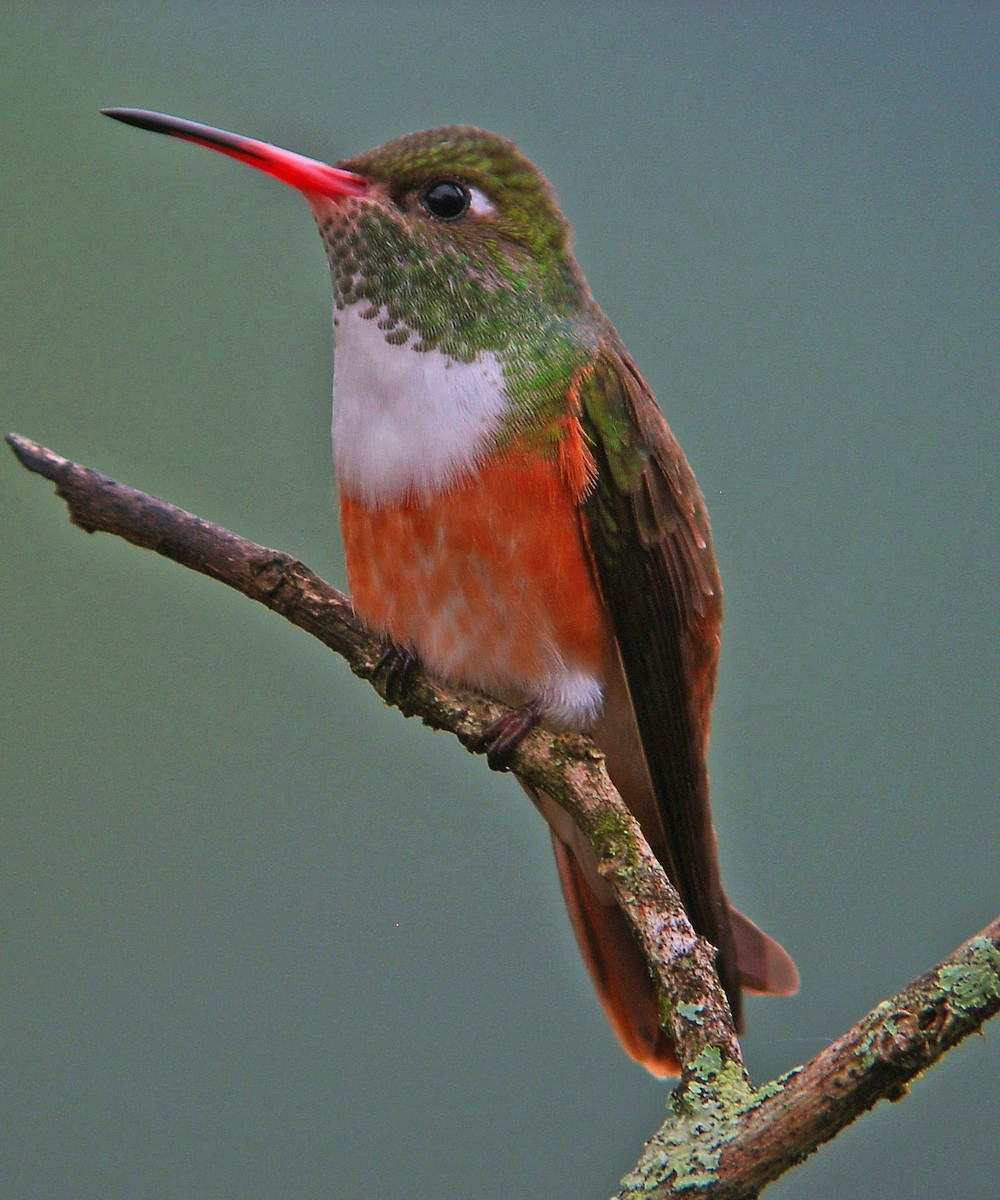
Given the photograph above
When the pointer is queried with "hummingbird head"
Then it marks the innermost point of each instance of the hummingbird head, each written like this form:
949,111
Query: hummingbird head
463,184
450,237
458,241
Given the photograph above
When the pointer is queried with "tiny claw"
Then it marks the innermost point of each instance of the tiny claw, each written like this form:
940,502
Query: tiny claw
398,664
503,736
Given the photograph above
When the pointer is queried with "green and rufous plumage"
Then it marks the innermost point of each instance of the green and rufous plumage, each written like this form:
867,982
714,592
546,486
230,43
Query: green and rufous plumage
516,512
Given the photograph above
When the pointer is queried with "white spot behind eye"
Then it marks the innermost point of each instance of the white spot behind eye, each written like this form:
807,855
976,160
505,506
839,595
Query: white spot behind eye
480,203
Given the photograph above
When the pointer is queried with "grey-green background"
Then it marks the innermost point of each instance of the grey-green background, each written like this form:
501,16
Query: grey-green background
261,938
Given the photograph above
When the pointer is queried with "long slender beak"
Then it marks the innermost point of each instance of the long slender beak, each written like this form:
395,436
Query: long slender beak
307,174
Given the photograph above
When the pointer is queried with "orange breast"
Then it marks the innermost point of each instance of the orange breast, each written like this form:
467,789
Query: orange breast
489,581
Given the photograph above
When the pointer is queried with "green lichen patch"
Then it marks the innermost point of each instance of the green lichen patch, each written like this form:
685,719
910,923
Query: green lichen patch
973,984
615,836
718,1083
691,1012
704,1118
882,1031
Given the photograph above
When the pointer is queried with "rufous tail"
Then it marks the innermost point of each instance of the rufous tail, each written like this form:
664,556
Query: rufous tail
621,977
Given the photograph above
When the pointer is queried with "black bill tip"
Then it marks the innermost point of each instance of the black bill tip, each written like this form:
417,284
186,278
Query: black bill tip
143,119
205,135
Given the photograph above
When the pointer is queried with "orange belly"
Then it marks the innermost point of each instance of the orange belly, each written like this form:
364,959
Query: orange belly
488,582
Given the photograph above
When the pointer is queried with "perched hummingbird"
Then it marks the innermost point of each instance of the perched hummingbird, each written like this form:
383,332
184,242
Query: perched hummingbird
516,512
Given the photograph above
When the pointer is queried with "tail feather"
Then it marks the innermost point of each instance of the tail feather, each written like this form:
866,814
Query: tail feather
617,969
764,966
621,976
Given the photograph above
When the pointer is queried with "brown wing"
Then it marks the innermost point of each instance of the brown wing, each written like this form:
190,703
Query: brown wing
648,532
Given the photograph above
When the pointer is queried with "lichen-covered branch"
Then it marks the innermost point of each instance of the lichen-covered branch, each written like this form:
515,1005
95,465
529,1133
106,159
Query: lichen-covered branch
721,1139
726,1145
567,767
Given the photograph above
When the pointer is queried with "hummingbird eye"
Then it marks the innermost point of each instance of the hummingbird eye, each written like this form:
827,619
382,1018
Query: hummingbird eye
446,199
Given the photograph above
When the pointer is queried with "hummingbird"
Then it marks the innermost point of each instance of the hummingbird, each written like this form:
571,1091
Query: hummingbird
517,515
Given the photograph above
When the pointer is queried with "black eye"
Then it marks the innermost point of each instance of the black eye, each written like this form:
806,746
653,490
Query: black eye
445,199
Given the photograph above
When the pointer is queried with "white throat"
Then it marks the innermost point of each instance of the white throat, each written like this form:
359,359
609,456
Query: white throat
407,421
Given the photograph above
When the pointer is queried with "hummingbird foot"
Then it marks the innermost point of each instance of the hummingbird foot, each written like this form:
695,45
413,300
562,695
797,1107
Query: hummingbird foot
503,736
397,663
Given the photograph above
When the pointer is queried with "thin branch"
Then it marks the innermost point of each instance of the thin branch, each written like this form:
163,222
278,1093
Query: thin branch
721,1139
567,767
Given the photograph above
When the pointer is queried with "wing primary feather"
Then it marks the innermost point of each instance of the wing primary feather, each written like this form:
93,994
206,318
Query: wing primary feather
649,535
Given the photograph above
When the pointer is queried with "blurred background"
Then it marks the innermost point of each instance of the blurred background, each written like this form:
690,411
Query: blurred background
262,937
